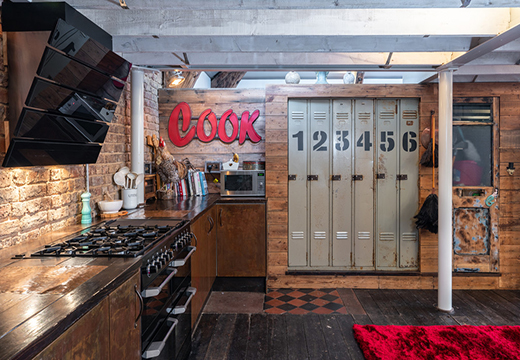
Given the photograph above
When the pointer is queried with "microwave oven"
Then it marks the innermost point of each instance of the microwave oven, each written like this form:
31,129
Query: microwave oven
242,183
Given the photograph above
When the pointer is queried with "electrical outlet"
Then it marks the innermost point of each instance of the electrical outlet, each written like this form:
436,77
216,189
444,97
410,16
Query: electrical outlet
212,166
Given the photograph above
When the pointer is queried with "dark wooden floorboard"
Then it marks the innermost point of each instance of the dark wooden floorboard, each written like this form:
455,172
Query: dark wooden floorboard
238,346
296,341
258,339
372,309
203,336
346,323
219,345
336,344
316,345
277,333
312,336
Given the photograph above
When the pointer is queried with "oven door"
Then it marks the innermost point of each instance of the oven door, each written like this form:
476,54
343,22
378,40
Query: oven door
166,321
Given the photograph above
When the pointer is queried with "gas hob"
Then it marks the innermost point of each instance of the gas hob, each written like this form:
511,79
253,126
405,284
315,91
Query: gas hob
116,238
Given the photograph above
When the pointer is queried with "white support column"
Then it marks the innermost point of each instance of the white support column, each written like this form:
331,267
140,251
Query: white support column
445,234
137,137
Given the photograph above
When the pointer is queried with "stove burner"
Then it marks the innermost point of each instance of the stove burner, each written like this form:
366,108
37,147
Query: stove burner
129,238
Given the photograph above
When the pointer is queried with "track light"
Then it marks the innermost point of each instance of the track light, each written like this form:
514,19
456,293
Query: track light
176,79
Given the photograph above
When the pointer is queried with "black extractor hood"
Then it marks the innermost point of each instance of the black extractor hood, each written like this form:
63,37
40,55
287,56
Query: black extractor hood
64,84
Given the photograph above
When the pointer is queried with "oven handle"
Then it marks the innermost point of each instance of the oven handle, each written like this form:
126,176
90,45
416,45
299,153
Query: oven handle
182,262
181,309
141,305
156,347
151,292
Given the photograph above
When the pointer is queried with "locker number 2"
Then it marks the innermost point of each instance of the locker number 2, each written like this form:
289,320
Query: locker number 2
319,136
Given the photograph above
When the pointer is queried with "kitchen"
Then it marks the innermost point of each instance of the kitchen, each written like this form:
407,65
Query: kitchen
40,203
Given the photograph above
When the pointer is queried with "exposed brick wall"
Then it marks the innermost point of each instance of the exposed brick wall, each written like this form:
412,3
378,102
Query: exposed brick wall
37,200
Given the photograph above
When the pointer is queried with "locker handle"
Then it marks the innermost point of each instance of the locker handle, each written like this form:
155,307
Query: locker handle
380,176
335,177
402,177
312,177
357,177
291,177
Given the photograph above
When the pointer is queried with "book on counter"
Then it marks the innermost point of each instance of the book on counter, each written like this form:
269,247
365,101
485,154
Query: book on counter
194,184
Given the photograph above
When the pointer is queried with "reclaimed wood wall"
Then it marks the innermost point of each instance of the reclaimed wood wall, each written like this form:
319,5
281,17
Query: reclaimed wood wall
508,247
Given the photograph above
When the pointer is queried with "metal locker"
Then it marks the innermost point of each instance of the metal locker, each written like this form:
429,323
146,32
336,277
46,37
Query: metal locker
298,206
341,182
363,183
318,180
409,183
387,169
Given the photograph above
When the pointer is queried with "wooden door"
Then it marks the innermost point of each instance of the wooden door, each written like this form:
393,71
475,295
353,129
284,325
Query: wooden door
241,241
125,323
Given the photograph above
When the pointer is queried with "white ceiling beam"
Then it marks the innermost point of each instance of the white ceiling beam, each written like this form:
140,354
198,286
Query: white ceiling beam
333,43
488,70
240,60
320,22
485,48
283,4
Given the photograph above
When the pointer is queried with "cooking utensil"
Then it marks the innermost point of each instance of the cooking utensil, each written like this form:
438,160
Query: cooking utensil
131,177
124,170
119,179
139,179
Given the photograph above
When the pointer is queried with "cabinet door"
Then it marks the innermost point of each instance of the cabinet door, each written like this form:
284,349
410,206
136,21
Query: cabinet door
241,246
88,338
125,324
212,247
199,265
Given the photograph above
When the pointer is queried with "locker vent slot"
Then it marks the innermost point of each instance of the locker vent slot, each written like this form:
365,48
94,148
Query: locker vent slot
297,116
342,235
363,235
386,236
320,115
386,115
320,235
297,235
342,117
410,114
409,237
364,117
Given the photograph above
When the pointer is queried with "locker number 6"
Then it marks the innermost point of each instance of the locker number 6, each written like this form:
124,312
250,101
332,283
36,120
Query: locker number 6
409,142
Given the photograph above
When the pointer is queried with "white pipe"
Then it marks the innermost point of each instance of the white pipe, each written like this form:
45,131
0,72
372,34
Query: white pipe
86,176
137,138
445,236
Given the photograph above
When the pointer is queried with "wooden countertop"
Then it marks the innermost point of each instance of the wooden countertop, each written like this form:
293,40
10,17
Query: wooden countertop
41,297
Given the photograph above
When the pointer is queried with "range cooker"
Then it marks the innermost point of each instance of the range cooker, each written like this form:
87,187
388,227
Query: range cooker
166,247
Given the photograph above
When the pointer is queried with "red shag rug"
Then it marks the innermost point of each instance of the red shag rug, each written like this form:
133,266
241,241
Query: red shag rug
438,342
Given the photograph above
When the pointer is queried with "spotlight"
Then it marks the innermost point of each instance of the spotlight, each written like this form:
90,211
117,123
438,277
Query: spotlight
176,79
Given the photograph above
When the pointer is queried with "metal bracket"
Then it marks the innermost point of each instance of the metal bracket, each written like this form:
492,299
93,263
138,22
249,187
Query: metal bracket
402,177
291,177
312,177
335,177
380,176
357,177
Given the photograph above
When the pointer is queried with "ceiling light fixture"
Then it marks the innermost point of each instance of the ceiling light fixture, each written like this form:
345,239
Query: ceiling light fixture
176,79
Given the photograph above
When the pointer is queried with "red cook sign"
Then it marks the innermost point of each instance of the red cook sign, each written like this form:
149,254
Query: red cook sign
245,128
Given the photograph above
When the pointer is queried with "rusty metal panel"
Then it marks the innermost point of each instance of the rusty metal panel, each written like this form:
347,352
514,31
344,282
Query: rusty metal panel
387,201
471,233
319,164
342,188
298,193
409,188
363,190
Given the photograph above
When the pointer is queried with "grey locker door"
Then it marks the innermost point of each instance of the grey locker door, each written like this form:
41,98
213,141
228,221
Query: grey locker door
387,167
341,184
298,206
409,188
319,149
363,188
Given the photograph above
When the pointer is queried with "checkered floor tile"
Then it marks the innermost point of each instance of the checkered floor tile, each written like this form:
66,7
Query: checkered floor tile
303,301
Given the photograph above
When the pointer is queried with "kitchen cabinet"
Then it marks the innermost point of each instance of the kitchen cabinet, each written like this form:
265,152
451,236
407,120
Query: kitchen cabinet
111,330
125,320
203,261
241,240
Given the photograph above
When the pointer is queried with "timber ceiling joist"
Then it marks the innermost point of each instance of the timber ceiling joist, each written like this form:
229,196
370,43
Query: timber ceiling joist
315,35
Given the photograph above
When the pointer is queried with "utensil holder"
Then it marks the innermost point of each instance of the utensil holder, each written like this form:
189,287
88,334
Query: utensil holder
129,198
